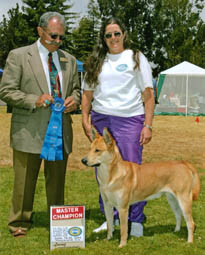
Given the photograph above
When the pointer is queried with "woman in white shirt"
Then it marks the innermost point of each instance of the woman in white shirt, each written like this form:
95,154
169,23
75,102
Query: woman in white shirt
116,77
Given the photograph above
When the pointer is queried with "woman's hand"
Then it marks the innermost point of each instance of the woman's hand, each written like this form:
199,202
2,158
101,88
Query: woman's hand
146,135
87,130
70,104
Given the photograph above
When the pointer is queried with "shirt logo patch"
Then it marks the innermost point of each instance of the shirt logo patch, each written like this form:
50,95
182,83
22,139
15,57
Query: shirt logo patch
122,67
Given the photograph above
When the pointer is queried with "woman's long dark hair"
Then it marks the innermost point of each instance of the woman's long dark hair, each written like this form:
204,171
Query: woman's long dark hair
93,65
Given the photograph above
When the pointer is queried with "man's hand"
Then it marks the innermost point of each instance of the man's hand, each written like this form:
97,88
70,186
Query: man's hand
44,101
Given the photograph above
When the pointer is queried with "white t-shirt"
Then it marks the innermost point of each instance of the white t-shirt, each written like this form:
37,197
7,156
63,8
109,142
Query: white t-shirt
120,86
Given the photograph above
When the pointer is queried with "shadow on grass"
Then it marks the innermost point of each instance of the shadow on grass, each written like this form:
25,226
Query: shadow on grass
149,231
41,220
95,218
163,229
95,215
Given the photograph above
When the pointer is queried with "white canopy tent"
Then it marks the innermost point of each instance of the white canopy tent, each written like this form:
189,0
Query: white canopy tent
181,90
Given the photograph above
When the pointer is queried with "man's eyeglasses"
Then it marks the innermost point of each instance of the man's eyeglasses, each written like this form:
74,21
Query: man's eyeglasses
116,34
55,36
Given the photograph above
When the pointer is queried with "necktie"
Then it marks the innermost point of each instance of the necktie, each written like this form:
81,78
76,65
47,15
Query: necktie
54,77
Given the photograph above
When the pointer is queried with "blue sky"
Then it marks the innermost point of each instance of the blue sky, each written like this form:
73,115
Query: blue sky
79,6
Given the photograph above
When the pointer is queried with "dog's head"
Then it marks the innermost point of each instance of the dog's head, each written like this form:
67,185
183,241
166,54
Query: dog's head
101,148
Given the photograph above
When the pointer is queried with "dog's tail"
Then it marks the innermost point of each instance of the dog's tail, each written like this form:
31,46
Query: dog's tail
196,186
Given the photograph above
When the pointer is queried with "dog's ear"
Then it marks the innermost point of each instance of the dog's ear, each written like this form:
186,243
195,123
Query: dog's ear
107,136
94,133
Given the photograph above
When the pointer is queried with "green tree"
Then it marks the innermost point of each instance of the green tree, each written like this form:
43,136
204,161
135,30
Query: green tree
177,31
14,33
166,31
33,9
84,37
136,15
20,28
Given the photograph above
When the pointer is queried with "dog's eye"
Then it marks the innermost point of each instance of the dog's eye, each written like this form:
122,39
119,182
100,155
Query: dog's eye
97,150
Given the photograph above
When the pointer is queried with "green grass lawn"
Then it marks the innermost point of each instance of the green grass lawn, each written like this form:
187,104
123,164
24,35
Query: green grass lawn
81,189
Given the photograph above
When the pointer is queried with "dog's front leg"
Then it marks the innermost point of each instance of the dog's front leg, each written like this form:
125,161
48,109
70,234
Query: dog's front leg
109,218
123,213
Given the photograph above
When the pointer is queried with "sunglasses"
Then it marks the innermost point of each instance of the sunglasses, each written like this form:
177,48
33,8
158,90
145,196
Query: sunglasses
55,36
116,34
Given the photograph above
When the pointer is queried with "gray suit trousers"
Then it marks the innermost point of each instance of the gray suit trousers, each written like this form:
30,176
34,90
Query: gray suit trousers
26,170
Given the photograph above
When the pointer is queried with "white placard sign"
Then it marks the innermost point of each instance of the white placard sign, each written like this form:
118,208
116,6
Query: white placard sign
67,226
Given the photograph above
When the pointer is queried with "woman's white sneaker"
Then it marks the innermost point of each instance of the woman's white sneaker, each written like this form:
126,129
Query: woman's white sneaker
104,226
101,228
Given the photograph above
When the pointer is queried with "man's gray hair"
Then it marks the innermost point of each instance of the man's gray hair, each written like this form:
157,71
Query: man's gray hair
46,17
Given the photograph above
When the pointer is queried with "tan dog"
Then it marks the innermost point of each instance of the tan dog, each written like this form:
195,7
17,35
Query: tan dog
123,183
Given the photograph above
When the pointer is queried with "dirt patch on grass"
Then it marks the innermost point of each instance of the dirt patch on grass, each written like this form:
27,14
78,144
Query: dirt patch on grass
174,137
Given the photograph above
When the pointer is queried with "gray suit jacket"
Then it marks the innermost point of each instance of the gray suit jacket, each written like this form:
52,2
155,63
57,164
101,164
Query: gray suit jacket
22,83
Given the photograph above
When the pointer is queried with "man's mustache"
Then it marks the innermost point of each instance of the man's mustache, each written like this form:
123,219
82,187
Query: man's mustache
53,43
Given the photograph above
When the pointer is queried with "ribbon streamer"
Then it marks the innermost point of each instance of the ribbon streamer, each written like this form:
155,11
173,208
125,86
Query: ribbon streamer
52,148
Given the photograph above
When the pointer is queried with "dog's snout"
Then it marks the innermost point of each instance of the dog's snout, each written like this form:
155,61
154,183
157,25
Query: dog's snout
84,161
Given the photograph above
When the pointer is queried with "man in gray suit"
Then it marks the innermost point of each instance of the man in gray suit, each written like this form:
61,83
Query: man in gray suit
27,88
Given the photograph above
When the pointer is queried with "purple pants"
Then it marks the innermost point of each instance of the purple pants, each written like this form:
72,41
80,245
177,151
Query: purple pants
126,132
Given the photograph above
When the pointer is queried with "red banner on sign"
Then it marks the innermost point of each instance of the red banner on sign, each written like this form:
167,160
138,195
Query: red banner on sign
67,212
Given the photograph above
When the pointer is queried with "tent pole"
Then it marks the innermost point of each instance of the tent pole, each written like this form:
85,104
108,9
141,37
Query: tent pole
186,94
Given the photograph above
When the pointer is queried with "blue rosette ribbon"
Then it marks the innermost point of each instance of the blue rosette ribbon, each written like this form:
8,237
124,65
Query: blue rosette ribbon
52,148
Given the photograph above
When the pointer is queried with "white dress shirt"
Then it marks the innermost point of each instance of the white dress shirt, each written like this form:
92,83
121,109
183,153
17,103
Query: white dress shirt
44,59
